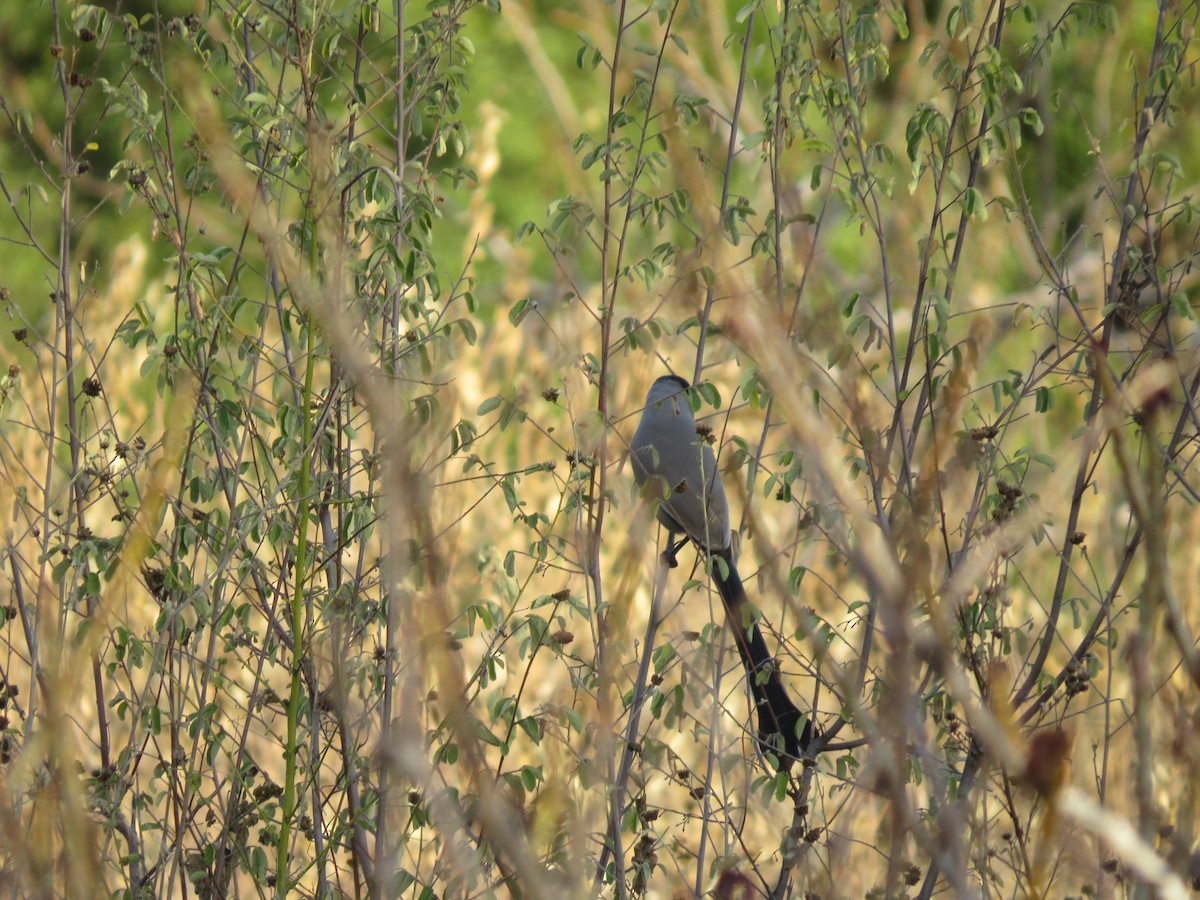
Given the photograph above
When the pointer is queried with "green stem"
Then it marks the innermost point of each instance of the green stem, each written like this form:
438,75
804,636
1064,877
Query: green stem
299,622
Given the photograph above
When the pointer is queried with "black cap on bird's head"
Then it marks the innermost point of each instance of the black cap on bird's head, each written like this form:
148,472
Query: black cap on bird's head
682,382
669,387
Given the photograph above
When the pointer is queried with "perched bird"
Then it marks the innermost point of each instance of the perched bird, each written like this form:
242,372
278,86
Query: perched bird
668,451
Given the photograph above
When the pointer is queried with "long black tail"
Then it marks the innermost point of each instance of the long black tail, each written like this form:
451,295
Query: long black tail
777,714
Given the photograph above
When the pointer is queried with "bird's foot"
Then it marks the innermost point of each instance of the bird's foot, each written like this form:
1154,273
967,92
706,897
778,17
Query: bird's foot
671,554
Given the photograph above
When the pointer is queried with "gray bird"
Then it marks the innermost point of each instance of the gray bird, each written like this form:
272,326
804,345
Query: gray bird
668,451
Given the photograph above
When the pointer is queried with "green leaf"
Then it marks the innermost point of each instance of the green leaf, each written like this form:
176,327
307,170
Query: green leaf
974,205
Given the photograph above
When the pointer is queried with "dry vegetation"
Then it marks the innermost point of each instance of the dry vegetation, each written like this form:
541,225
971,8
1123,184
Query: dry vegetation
325,575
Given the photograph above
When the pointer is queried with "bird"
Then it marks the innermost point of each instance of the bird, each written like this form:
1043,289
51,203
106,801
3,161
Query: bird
670,455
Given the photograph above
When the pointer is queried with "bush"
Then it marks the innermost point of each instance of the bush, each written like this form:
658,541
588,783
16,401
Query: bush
325,571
